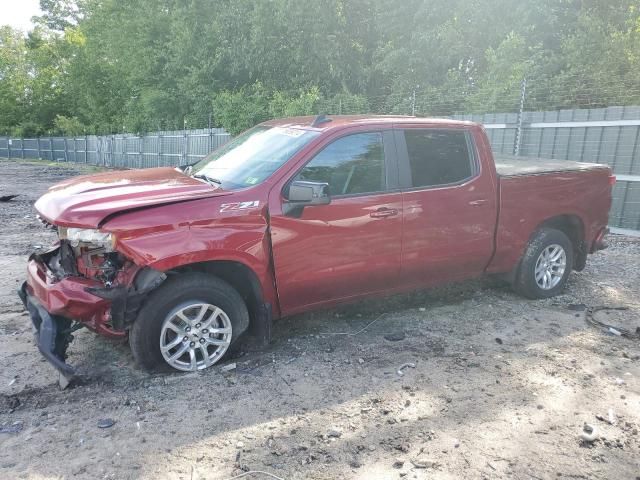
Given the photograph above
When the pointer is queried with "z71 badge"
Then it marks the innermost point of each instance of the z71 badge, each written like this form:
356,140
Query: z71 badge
227,207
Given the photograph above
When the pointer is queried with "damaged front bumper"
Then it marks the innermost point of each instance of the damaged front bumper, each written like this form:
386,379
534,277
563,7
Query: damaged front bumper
58,304
52,333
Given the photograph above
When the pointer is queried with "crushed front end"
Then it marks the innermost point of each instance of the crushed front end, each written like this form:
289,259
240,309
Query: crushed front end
82,282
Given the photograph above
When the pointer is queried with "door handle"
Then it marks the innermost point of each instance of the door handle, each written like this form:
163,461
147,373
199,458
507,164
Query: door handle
477,203
384,212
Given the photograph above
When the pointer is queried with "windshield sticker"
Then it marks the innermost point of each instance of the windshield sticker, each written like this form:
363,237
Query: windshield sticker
290,132
251,180
228,207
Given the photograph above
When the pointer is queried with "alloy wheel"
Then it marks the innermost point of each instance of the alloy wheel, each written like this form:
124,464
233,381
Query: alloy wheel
550,266
194,336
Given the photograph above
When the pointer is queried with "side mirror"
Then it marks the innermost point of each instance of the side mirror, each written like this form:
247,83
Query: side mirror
302,194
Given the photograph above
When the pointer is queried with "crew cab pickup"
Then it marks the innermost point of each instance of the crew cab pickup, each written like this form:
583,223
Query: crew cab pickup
298,214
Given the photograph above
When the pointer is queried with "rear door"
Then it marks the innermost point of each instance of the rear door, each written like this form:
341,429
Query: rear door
350,247
449,206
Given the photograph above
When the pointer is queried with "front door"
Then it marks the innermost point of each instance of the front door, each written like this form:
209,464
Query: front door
350,247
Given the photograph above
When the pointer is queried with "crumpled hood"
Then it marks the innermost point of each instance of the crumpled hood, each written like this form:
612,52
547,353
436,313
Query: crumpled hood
87,200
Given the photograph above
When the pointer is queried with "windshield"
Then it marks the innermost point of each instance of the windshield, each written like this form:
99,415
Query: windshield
252,157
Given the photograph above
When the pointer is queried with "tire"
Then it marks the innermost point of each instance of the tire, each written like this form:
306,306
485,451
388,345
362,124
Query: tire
530,281
170,316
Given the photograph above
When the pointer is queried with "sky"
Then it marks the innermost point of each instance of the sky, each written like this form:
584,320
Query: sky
18,13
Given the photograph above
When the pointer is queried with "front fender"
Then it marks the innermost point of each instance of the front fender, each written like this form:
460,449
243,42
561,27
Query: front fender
244,241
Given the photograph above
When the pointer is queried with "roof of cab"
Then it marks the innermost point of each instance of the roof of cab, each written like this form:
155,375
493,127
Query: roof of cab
336,121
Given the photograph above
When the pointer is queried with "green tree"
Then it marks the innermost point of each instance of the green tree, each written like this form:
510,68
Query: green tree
149,64
14,78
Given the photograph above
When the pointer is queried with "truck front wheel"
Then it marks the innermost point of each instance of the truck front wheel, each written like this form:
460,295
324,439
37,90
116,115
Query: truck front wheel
546,265
189,323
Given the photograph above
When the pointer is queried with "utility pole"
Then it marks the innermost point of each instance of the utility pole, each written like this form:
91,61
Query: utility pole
518,139
413,103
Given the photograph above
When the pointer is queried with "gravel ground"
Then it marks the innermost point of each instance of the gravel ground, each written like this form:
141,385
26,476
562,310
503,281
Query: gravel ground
498,386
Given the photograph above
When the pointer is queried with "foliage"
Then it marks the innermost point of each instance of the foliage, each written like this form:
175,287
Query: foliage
13,78
284,105
344,104
241,109
107,65
68,125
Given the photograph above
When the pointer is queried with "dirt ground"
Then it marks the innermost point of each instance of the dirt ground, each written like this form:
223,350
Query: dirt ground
501,387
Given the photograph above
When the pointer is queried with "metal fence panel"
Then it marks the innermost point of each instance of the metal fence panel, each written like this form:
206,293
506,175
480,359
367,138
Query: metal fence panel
158,149
625,210
601,135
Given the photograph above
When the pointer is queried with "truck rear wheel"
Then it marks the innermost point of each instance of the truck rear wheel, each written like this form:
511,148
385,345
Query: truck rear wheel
189,323
546,265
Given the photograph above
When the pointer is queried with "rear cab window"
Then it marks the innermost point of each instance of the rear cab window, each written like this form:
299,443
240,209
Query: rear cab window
439,157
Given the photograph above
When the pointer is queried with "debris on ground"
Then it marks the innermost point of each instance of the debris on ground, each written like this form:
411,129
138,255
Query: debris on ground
15,427
228,367
611,418
403,366
421,464
106,423
6,198
589,433
614,330
255,472
577,307
352,334
395,337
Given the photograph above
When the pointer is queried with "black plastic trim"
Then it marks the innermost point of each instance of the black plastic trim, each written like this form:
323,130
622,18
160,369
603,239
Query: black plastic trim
48,330
125,302
261,326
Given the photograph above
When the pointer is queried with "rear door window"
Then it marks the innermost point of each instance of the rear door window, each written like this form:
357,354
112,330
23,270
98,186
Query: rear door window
438,157
352,165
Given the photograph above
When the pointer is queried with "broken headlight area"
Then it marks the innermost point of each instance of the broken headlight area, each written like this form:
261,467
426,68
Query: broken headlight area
86,260
99,264
87,236
90,253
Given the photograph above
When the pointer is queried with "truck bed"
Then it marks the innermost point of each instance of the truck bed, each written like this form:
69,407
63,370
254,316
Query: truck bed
512,166
533,190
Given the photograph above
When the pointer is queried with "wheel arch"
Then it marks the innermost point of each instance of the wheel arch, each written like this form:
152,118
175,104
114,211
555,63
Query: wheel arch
244,280
235,273
573,227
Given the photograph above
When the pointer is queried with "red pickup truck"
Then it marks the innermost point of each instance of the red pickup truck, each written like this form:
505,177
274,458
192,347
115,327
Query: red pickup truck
297,214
